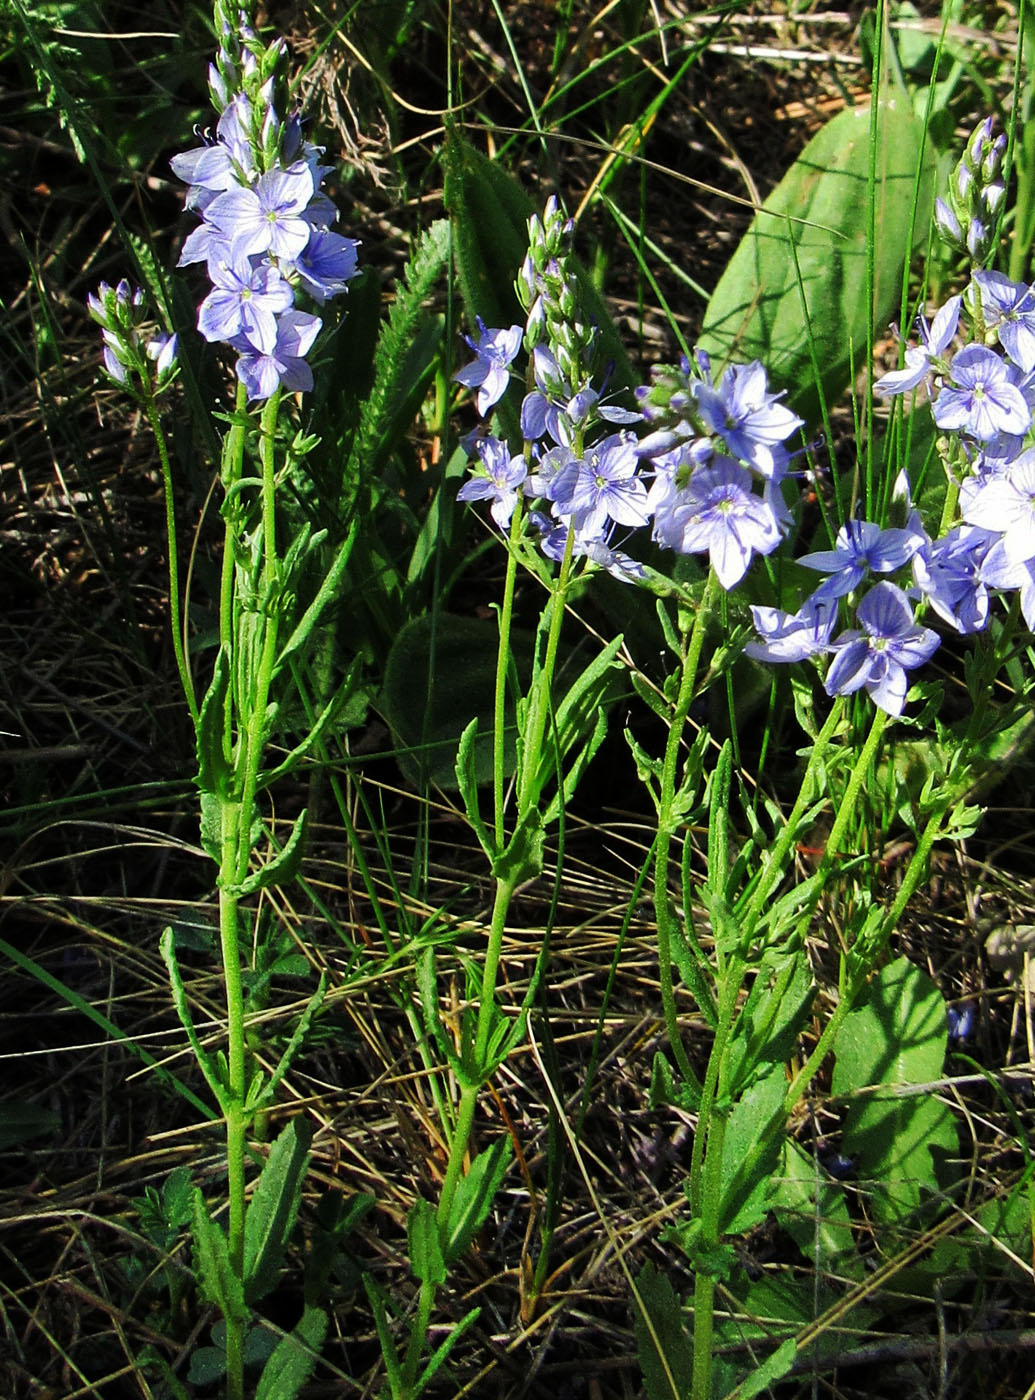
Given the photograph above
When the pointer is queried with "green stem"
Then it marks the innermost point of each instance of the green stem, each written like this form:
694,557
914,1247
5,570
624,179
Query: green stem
255,734
236,1125
499,783
235,850
706,1178
914,872
175,608
539,699
666,919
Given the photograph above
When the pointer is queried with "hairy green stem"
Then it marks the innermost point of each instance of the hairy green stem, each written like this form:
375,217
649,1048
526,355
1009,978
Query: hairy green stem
236,1125
499,784
666,919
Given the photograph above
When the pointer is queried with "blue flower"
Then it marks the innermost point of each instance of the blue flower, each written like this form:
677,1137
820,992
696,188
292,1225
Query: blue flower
878,658
267,217
244,301
1005,503
261,372
718,512
503,474
793,636
489,374
950,572
861,546
747,417
920,359
981,400
602,486
1008,308
327,264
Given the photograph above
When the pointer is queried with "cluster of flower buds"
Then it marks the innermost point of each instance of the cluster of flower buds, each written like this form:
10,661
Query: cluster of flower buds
130,342
967,219
706,477
265,232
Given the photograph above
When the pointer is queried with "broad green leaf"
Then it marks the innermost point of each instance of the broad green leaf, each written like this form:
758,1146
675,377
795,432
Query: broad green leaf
294,1358
475,1194
207,1365
895,1039
662,1344
441,674
750,1152
810,240
425,1247
212,1267
273,1209
811,1206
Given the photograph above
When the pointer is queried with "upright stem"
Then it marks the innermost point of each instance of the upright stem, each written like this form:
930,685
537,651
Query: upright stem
502,665
236,846
666,920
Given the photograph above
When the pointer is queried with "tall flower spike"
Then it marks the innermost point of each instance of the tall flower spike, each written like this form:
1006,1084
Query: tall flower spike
265,222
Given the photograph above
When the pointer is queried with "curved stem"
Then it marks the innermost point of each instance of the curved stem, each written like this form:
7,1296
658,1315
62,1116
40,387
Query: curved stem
179,636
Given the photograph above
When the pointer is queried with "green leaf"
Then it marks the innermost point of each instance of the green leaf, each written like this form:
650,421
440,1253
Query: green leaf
20,1121
580,725
294,1358
523,857
213,768
750,1152
467,782
895,1039
773,1016
273,1209
814,226
408,352
441,674
811,1206
662,1344
207,1365
718,821
474,1196
442,1352
212,1267
283,868
425,1246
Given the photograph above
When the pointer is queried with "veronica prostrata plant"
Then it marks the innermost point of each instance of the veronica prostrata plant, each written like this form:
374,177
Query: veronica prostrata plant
270,255
703,462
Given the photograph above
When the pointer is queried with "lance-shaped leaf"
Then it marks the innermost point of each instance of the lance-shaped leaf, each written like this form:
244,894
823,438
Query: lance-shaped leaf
219,1283
273,1209
293,1358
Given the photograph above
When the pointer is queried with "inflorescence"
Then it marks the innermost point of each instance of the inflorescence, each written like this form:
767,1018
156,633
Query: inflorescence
264,236
708,468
